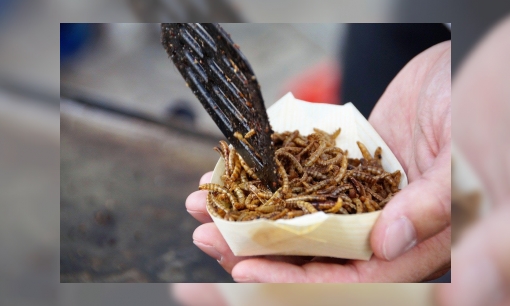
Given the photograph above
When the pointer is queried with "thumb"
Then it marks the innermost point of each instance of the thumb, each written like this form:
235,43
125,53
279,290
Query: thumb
419,211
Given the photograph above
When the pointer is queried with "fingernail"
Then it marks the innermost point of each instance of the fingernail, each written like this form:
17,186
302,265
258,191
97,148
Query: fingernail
209,250
399,238
478,284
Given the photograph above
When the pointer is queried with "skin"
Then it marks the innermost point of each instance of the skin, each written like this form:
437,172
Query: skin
418,101
482,110
481,272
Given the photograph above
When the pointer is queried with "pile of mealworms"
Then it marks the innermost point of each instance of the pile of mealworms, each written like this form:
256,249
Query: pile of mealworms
314,175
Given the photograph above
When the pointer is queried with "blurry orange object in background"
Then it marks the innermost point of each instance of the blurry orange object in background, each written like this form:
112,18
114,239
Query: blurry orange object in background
319,83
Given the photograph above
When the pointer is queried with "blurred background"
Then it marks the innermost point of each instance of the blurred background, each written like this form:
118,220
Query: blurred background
125,166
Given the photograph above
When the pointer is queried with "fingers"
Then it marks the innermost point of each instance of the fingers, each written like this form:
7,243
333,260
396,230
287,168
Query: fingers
206,178
197,294
195,203
268,271
418,212
480,268
414,266
208,238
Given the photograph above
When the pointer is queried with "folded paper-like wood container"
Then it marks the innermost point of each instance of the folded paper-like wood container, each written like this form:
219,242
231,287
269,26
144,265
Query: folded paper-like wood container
318,234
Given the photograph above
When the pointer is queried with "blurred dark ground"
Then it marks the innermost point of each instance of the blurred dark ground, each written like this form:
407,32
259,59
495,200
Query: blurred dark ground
122,191
134,142
111,217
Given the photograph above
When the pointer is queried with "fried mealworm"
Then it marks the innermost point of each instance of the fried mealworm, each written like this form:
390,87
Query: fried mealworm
378,156
217,188
249,134
306,198
276,195
354,162
239,193
387,186
284,177
335,208
359,205
335,134
294,213
316,174
345,198
362,176
269,208
290,138
247,168
295,182
374,194
364,151
306,207
326,136
210,206
388,179
315,155
340,189
251,206
324,206
300,142
350,206
228,182
275,215
306,149
220,204
231,160
244,178
373,170
247,215
368,205
343,169
292,159
334,169
225,150
297,189
319,185
396,179
249,199
258,193
375,205
359,187
220,151
327,190
232,216
240,137
291,150
333,160
236,170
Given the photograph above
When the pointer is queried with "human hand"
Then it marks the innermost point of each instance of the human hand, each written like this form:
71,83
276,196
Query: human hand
481,265
413,116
